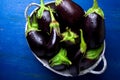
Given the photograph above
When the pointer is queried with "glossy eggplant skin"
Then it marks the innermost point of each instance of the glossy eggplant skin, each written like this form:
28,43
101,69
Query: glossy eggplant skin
60,67
94,30
86,63
52,46
71,14
44,21
74,69
37,41
71,49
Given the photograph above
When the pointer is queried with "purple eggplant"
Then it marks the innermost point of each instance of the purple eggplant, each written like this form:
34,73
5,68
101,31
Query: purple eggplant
44,19
70,12
70,42
94,26
53,43
92,55
36,38
74,69
43,16
60,61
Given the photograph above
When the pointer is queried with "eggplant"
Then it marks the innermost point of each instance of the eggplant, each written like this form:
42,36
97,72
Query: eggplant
36,38
92,55
71,13
37,42
53,43
94,26
70,42
77,58
43,16
44,19
52,47
60,61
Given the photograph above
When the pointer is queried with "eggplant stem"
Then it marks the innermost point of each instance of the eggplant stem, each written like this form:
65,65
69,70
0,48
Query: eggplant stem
57,2
69,36
29,24
54,24
95,4
60,58
51,14
32,26
42,8
34,21
83,45
42,2
95,8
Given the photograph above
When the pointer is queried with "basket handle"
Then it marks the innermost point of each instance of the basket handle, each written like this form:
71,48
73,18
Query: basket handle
104,66
27,8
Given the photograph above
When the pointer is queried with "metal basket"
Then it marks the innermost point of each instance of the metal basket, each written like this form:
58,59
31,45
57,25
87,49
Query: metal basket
66,72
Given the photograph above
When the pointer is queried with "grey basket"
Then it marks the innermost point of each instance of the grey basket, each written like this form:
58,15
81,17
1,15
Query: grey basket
66,72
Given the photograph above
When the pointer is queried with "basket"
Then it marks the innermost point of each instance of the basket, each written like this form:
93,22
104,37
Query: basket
66,72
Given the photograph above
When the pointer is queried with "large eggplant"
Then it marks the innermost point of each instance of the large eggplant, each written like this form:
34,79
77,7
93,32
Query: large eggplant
70,12
94,26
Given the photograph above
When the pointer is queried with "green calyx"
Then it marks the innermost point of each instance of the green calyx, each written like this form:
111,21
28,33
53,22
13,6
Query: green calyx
41,10
32,26
69,36
54,24
60,58
57,2
83,45
95,8
94,53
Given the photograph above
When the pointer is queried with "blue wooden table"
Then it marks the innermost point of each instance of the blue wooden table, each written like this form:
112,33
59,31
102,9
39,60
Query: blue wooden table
16,59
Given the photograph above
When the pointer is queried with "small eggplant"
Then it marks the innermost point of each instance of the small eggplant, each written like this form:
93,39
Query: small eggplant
43,17
92,55
70,12
36,38
60,61
77,58
53,43
52,47
94,26
70,42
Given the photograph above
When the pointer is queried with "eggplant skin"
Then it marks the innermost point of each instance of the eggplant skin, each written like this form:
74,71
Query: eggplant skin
71,13
71,49
37,42
60,67
53,43
94,30
44,21
86,63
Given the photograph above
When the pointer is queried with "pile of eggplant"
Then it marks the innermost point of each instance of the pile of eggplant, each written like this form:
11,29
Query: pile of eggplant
66,36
